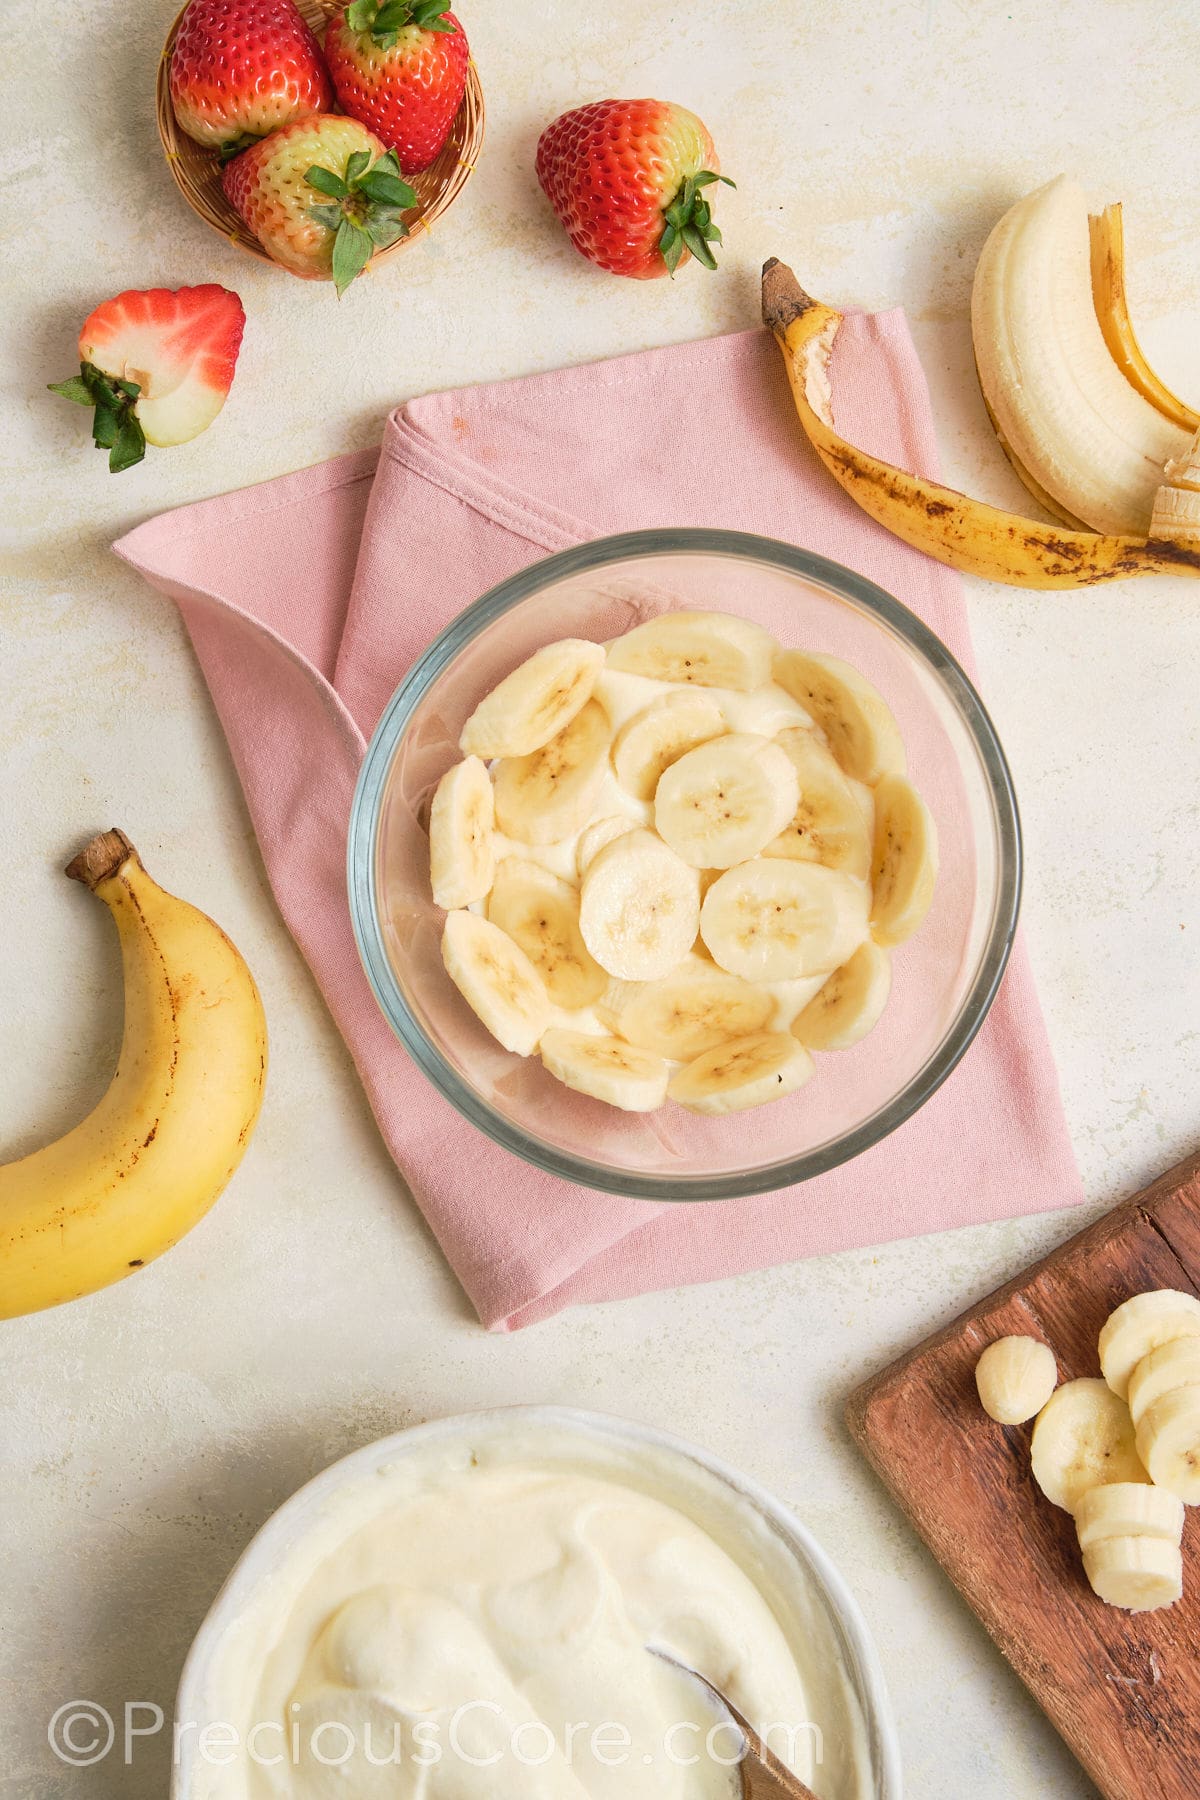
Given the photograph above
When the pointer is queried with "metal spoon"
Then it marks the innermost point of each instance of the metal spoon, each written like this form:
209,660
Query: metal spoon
763,1776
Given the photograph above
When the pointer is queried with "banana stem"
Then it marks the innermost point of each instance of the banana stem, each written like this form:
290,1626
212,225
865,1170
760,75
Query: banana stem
100,859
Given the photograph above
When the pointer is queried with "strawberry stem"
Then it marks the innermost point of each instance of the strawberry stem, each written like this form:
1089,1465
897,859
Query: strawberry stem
689,222
364,208
386,19
115,424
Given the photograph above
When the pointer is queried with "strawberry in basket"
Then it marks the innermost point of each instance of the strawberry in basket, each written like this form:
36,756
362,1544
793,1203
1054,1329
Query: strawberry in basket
400,66
242,68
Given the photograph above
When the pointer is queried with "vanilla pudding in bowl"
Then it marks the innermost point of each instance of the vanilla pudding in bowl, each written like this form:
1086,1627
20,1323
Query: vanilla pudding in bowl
769,766
470,1609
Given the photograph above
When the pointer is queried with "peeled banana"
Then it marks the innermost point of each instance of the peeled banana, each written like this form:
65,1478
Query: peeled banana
965,533
149,1160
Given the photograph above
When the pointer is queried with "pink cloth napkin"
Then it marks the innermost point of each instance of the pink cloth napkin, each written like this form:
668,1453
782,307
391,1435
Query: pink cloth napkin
308,597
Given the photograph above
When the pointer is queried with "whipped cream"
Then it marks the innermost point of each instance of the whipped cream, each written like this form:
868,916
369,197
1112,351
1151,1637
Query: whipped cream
477,1621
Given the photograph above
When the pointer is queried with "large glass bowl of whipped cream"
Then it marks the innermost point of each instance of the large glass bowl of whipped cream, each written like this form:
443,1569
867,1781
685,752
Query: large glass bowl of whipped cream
943,980
479,1609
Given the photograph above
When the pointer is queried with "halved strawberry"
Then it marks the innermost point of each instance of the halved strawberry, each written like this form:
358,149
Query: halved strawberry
156,366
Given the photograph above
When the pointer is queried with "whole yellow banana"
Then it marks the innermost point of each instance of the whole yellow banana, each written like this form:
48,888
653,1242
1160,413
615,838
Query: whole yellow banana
949,526
151,1158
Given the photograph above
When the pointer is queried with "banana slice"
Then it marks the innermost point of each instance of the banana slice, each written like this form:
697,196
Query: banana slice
535,702
639,907
745,1072
660,734
772,920
1015,1377
547,795
829,825
1128,1509
497,981
462,861
1175,1364
1083,1439
607,1069
705,648
593,838
540,913
862,733
1168,1441
690,1011
726,800
1139,1574
848,1007
1139,1326
904,861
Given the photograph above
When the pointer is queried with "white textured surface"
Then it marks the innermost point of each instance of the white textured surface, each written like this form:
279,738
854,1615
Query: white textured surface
145,1433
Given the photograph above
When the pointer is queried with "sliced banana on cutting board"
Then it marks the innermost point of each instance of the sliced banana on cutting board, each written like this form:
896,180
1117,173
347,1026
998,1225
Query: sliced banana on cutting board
1123,1509
709,649
639,907
854,716
535,702
607,1068
1175,1364
849,1005
1083,1439
462,859
1015,1377
1168,1442
660,734
497,981
746,1072
829,825
540,913
723,802
904,861
694,1009
549,794
1141,1325
1139,1574
776,920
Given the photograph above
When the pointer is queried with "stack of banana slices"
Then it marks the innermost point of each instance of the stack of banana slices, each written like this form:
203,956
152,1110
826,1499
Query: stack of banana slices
1122,1454
1096,436
675,866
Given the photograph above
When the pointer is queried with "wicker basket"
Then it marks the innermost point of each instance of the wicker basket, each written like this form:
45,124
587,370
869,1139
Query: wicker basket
197,171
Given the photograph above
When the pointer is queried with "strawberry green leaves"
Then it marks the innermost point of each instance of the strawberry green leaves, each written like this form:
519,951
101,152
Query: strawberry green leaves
386,21
115,425
364,209
690,222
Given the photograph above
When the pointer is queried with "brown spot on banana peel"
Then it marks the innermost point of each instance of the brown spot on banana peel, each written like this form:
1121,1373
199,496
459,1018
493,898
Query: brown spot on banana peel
939,521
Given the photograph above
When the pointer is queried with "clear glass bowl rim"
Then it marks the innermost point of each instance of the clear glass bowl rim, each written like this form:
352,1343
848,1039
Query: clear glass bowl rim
587,558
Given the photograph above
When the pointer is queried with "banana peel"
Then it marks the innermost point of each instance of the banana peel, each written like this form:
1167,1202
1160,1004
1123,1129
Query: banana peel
1107,231
966,534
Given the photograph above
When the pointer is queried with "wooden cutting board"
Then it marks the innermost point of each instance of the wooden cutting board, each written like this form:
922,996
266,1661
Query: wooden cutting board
1122,1688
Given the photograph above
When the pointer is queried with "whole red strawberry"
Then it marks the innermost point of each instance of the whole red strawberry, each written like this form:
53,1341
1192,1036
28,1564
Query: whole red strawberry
242,68
155,367
627,179
321,196
401,67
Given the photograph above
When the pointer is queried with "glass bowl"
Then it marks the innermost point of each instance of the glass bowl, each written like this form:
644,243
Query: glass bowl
944,979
